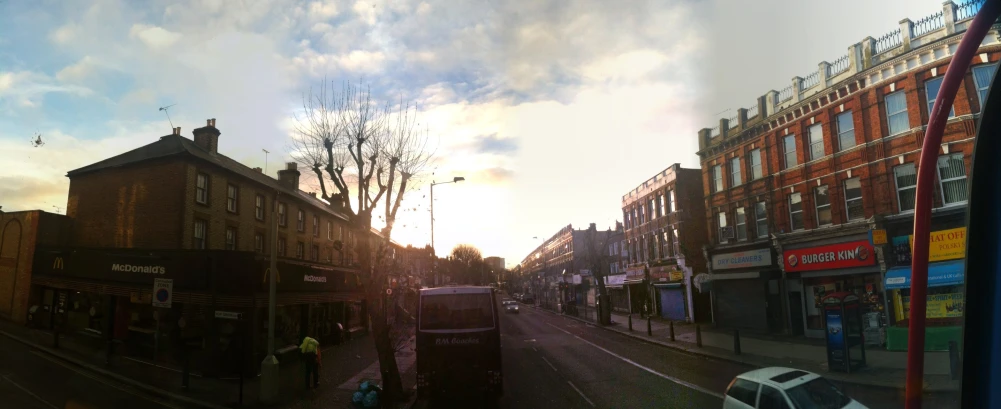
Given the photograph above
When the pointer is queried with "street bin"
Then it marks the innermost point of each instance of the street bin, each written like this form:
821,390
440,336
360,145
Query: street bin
843,325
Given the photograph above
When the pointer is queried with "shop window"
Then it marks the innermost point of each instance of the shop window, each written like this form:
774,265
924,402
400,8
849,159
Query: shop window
952,178
907,180
232,197
741,224
300,221
202,188
282,214
931,91
823,205
796,212
231,238
755,159
717,178
789,150
896,112
982,75
735,177
853,199
199,234
300,250
760,220
259,207
816,142
846,131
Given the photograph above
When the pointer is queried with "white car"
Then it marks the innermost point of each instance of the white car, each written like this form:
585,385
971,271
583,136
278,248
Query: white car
785,388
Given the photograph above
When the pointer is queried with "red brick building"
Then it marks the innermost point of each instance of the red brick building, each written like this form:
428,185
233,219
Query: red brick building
664,236
817,167
20,234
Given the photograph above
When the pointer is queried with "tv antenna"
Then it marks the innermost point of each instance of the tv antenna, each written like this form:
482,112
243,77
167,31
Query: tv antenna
265,160
164,109
36,141
58,209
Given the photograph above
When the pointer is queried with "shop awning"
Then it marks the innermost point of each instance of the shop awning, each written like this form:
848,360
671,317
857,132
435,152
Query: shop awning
939,274
667,285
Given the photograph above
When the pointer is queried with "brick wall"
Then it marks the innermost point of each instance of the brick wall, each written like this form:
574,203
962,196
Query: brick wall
872,159
20,234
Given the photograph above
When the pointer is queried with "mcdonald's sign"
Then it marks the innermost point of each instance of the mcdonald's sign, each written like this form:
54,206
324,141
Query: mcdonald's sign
57,264
268,271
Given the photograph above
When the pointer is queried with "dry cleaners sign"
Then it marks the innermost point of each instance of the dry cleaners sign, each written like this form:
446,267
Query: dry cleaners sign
743,259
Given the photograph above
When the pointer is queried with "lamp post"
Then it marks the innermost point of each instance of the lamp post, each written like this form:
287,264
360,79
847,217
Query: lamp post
454,180
269,367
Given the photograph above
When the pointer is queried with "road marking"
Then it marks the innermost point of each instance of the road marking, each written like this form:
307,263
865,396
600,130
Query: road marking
29,393
99,380
580,393
550,364
633,363
536,350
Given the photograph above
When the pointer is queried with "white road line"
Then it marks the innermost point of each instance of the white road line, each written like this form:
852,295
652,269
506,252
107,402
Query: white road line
536,350
580,393
29,393
550,364
631,362
101,381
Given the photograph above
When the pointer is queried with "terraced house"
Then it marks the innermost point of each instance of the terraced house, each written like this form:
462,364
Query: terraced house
827,166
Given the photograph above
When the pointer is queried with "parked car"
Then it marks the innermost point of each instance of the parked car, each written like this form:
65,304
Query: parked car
510,306
528,299
785,388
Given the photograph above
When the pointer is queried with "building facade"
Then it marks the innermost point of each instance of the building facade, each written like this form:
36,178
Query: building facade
20,234
664,234
811,189
495,263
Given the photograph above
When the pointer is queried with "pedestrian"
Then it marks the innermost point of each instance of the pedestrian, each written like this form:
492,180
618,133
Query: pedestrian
310,349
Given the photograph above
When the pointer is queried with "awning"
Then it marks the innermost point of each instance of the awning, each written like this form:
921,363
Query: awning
667,285
939,274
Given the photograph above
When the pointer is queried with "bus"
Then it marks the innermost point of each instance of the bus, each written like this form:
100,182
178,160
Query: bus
458,343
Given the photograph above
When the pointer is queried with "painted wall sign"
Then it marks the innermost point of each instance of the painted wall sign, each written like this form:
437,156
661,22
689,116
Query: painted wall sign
842,255
743,259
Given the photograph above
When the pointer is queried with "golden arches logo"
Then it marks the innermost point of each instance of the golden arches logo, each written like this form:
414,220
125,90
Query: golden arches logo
57,264
268,271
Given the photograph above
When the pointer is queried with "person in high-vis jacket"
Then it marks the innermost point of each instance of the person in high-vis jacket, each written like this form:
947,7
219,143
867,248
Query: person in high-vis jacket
310,349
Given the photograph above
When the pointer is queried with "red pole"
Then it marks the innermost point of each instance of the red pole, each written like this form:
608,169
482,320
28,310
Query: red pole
926,180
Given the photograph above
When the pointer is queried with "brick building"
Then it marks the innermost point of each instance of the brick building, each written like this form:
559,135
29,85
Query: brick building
20,234
664,234
816,168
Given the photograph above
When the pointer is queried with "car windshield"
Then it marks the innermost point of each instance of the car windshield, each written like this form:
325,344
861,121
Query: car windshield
818,394
456,312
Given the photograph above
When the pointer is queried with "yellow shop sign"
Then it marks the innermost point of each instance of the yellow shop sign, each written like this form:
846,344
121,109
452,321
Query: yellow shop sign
945,244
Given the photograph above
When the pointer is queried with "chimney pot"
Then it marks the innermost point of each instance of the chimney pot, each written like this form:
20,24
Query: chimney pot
208,122
259,170
291,166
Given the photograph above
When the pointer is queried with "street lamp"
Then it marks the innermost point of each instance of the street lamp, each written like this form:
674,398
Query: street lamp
454,180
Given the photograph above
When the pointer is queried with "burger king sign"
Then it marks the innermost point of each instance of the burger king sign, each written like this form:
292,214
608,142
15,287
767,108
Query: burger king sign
842,255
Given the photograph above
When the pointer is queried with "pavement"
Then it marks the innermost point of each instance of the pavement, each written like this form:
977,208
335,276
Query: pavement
554,361
30,367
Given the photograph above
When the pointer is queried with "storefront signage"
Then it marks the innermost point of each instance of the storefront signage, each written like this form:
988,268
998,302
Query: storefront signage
842,255
163,289
314,279
618,279
743,259
229,315
878,237
943,245
677,275
135,268
937,306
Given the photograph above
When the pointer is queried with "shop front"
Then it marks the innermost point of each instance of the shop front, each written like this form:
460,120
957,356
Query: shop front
744,289
617,294
638,290
945,301
816,269
671,295
218,301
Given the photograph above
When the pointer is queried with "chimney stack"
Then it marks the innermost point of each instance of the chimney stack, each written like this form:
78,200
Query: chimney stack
259,170
207,137
289,177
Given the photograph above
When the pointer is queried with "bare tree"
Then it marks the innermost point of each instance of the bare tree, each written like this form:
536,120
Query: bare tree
596,257
364,156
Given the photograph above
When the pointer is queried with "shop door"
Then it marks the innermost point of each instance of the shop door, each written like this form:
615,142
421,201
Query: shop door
774,300
796,312
672,304
740,304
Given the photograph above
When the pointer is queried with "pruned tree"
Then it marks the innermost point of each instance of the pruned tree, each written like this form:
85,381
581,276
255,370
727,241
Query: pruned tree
365,156
597,259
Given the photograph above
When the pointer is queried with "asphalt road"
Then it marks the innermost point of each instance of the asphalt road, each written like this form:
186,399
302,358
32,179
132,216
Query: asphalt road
31,379
556,362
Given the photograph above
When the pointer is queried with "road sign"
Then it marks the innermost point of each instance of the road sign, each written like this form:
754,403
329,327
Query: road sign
389,291
163,290
229,315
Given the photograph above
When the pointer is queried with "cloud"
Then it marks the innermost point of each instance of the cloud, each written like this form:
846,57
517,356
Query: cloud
25,192
153,36
27,88
494,176
492,144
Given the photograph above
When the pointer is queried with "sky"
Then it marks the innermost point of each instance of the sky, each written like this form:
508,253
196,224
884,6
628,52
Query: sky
550,110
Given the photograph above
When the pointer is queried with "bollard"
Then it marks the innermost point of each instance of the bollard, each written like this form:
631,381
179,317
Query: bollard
698,336
649,330
186,370
630,322
954,360
736,342
672,331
